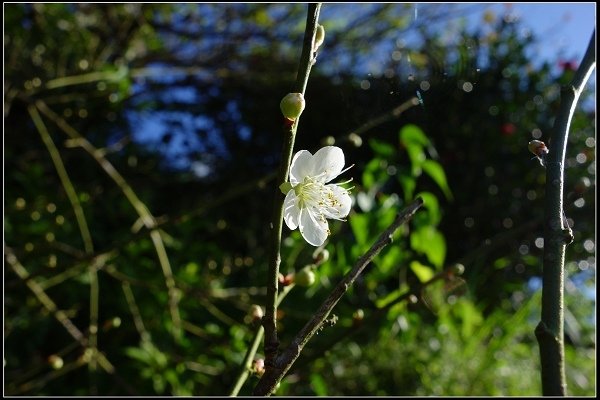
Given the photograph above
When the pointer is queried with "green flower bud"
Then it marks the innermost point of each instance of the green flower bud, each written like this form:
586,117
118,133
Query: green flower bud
292,105
328,141
358,315
55,361
306,277
458,269
355,139
319,37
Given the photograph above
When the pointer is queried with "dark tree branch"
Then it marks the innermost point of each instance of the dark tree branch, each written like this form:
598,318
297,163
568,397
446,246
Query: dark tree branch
550,330
283,363
269,321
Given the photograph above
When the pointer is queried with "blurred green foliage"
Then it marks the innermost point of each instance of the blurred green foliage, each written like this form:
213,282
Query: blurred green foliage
183,101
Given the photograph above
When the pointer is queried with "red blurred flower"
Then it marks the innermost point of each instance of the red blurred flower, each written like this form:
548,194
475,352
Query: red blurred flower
567,65
508,129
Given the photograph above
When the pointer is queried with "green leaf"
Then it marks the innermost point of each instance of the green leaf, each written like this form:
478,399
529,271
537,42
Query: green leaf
382,149
413,135
340,255
372,173
386,214
408,183
470,317
318,385
263,18
530,260
388,298
432,205
429,241
360,227
501,263
436,172
389,261
138,354
417,158
423,272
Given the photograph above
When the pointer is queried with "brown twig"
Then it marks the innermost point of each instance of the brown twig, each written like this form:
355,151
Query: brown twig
273,375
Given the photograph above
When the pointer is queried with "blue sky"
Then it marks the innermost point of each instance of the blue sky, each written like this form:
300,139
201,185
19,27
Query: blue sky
563,28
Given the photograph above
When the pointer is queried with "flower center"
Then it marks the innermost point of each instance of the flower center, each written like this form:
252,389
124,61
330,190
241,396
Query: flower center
309,192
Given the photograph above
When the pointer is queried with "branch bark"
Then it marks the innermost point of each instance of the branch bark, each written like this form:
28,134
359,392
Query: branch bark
251,352
307,59
550,330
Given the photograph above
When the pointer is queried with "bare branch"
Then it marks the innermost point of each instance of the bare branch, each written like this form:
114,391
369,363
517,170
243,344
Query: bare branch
272,376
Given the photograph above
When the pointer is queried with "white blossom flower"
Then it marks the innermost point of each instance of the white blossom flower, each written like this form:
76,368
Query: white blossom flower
311,200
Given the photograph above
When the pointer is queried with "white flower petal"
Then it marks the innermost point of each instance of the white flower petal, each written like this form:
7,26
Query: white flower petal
328,163
302,165
291,211
337,202
311,201
313,227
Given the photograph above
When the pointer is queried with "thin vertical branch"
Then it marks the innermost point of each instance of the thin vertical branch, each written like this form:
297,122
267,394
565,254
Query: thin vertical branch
249,357
85,235
93,328
550,330
64,179
246,364
144,214
135,311
50,305
269,320
308,56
